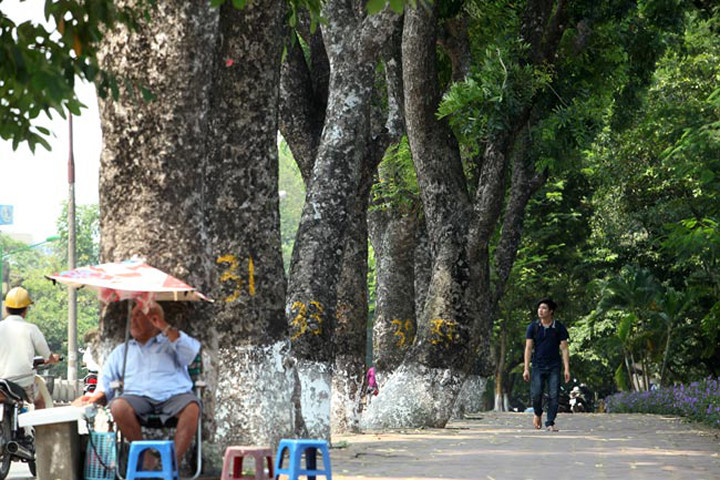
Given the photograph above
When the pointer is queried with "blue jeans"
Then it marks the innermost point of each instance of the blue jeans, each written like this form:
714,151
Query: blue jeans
541,375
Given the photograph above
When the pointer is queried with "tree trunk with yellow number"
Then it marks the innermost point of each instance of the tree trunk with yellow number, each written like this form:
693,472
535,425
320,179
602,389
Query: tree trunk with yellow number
255,380
352,41
393,239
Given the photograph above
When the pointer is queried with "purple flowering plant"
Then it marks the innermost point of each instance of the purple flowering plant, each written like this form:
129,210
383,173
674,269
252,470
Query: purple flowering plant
698,401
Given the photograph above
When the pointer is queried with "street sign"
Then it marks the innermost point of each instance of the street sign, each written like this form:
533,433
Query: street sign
6,214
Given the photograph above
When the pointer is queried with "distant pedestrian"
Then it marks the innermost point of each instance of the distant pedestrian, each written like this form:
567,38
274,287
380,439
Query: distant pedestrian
371,384
545,339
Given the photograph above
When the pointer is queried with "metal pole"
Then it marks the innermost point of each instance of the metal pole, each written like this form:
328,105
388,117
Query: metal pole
72,373
127,343
2,280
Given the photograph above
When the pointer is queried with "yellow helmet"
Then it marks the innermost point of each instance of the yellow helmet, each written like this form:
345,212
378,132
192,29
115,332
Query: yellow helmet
17,297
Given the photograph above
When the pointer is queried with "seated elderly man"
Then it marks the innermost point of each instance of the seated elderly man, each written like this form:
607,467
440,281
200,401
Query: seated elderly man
156,378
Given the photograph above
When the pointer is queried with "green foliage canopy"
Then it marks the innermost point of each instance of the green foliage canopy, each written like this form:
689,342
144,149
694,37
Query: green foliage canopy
39,64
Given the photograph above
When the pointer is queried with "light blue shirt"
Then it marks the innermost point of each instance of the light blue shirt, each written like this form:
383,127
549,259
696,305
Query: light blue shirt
157,369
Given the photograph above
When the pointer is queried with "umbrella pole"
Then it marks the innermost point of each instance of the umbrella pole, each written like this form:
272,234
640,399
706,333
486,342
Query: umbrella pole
127,340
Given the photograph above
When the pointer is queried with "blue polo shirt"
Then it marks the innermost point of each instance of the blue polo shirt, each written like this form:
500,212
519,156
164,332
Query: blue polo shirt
546,342
157,369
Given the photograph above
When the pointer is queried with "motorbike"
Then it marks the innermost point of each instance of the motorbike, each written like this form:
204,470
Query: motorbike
580,399
17,444
90,379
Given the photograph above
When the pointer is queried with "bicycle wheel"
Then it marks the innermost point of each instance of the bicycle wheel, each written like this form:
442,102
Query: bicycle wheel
5,436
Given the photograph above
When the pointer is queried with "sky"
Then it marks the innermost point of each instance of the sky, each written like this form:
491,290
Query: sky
37,184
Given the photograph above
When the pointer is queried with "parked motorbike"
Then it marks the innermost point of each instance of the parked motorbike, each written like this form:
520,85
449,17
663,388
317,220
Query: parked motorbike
580,399
90,382
90,379
17,444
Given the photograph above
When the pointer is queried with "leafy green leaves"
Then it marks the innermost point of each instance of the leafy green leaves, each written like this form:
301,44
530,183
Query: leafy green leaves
397,186
39,64
397,6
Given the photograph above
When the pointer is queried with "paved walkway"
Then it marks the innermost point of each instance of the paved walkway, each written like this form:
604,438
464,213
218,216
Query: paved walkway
504,446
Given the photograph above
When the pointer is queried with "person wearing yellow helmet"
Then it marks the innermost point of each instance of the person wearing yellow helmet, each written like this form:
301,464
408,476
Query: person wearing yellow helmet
20,341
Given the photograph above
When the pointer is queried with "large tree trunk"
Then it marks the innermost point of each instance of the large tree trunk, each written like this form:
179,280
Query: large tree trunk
392,234
350,339
350,335
153,160
453,331
303,98
241,190
352,41
393,238
422,260
423,389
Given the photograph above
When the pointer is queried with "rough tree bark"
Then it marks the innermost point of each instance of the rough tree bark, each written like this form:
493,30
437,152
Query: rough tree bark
255,378
303,98
350,337
352,40
393,239
419,388
350,334
393,232
153,159
453,329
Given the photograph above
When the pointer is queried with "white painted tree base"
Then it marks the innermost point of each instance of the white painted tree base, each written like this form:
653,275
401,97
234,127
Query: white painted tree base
315,387
469,399
253,398
346,396
414,397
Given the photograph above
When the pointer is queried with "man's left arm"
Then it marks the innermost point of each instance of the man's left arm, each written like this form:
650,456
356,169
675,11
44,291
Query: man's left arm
566,359
186,347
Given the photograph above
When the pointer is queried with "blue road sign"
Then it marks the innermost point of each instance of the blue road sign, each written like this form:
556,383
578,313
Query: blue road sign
6,214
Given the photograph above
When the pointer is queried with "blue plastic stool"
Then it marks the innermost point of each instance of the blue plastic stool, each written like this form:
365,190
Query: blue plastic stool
296,448
166,448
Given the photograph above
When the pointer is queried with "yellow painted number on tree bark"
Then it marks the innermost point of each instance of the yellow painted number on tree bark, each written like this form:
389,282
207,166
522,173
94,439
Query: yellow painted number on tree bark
443,331
404,332
231,275
307,319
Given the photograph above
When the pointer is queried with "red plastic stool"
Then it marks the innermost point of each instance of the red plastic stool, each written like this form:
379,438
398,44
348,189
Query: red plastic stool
234,458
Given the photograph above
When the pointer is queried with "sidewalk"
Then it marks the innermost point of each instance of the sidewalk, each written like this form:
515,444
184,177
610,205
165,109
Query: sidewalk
504,446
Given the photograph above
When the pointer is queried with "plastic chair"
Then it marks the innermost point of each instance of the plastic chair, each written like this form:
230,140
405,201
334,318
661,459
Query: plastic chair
166,448
295,448
233,463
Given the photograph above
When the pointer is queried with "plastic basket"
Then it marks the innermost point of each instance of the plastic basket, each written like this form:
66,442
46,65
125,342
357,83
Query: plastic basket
101,456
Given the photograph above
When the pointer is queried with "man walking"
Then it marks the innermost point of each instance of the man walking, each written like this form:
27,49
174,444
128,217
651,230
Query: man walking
545,338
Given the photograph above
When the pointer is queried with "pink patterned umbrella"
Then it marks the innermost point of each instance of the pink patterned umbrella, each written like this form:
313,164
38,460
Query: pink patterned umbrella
131,279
